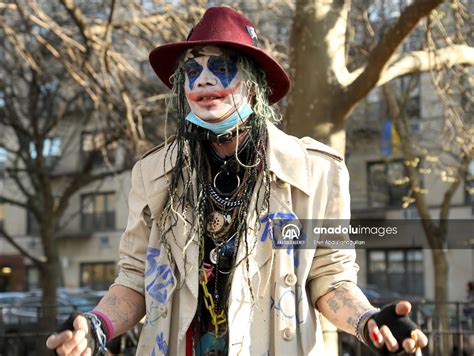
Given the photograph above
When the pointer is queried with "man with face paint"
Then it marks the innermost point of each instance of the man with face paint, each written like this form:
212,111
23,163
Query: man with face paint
197,258
215,90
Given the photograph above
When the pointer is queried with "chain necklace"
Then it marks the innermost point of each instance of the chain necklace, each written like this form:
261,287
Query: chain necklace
225,191
223,202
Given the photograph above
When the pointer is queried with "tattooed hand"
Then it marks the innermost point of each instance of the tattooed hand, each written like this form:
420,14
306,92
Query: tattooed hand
392,328
389,330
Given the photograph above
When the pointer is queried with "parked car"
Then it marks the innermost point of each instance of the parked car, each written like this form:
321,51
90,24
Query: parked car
22,318
7,298
19,321
24,313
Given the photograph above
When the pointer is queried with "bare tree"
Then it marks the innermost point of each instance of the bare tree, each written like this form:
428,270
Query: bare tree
340,51
449,160
447,154
332,70
67,66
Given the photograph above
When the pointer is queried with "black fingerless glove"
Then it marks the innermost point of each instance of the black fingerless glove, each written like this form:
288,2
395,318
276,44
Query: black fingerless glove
400,326
69,325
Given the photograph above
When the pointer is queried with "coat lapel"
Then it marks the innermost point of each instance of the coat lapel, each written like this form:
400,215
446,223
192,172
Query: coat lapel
182,239
260,247
288,166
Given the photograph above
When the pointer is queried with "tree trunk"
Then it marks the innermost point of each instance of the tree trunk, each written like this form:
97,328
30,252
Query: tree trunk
435,234
50,273
440,263
317,56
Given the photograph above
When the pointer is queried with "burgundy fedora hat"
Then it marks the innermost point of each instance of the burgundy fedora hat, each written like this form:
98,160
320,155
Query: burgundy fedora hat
222,26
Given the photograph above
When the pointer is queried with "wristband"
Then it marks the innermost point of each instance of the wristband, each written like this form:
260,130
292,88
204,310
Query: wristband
98,333
106,324
362,321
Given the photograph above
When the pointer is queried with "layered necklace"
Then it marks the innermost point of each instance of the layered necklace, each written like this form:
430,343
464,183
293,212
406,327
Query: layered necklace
230,182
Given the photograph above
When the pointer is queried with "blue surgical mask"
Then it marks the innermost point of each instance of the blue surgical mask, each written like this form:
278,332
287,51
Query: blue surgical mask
228,124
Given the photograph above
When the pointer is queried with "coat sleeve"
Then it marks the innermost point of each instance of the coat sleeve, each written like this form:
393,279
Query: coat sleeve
333,266
134,241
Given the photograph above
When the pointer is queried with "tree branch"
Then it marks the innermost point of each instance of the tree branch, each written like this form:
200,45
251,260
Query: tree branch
81,181
409,156
78,18
387,45
448,194
20,249
4,200
423,61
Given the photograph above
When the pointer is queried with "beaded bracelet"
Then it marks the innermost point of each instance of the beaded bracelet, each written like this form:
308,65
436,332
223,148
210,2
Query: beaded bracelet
362,320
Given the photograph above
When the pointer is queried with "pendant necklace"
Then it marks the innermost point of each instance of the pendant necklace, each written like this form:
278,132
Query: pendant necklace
214,254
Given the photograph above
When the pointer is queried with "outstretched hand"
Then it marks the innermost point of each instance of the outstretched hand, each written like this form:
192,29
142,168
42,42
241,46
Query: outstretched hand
74,342
392,329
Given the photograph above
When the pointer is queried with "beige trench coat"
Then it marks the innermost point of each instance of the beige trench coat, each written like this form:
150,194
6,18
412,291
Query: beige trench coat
309,180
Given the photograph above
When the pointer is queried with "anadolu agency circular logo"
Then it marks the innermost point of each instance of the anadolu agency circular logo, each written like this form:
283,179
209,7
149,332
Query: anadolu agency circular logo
290,235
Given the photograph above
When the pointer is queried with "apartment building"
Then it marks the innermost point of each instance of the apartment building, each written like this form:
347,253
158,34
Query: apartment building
90,230
378,186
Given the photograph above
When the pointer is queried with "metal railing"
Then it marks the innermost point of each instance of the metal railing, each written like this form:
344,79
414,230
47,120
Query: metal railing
19,335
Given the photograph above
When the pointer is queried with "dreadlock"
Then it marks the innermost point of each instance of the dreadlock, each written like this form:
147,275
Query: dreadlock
191,161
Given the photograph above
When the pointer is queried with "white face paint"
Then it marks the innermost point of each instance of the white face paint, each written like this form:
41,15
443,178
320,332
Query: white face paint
215,87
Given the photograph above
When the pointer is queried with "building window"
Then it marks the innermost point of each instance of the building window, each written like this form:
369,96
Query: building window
469,193
412,107
387,183
33,277
98,276
51,148
98,211
6,272
32,224
2,215
398,270
409,89
95,143
3,161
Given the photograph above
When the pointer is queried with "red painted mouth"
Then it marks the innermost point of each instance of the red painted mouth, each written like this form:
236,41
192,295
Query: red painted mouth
208,97
212,95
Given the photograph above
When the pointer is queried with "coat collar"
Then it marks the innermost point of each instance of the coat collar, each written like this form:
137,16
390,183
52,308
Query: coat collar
287,159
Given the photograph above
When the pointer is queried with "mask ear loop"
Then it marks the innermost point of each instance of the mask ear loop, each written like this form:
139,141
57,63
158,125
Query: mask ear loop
237,136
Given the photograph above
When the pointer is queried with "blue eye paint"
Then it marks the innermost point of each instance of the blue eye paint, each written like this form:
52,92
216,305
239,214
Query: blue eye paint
193,70
224,68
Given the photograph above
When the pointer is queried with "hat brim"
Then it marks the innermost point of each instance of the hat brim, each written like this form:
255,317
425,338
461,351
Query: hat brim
164,60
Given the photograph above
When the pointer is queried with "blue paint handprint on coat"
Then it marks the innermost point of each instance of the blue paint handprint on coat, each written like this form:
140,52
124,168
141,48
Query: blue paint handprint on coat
162,282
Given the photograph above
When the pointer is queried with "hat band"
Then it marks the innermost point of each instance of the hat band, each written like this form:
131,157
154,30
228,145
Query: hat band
237,117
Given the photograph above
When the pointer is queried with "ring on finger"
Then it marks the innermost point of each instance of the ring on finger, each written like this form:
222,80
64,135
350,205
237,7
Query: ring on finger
414,337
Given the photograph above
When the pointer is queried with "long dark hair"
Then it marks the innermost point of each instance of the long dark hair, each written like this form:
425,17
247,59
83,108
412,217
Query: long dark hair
185,195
